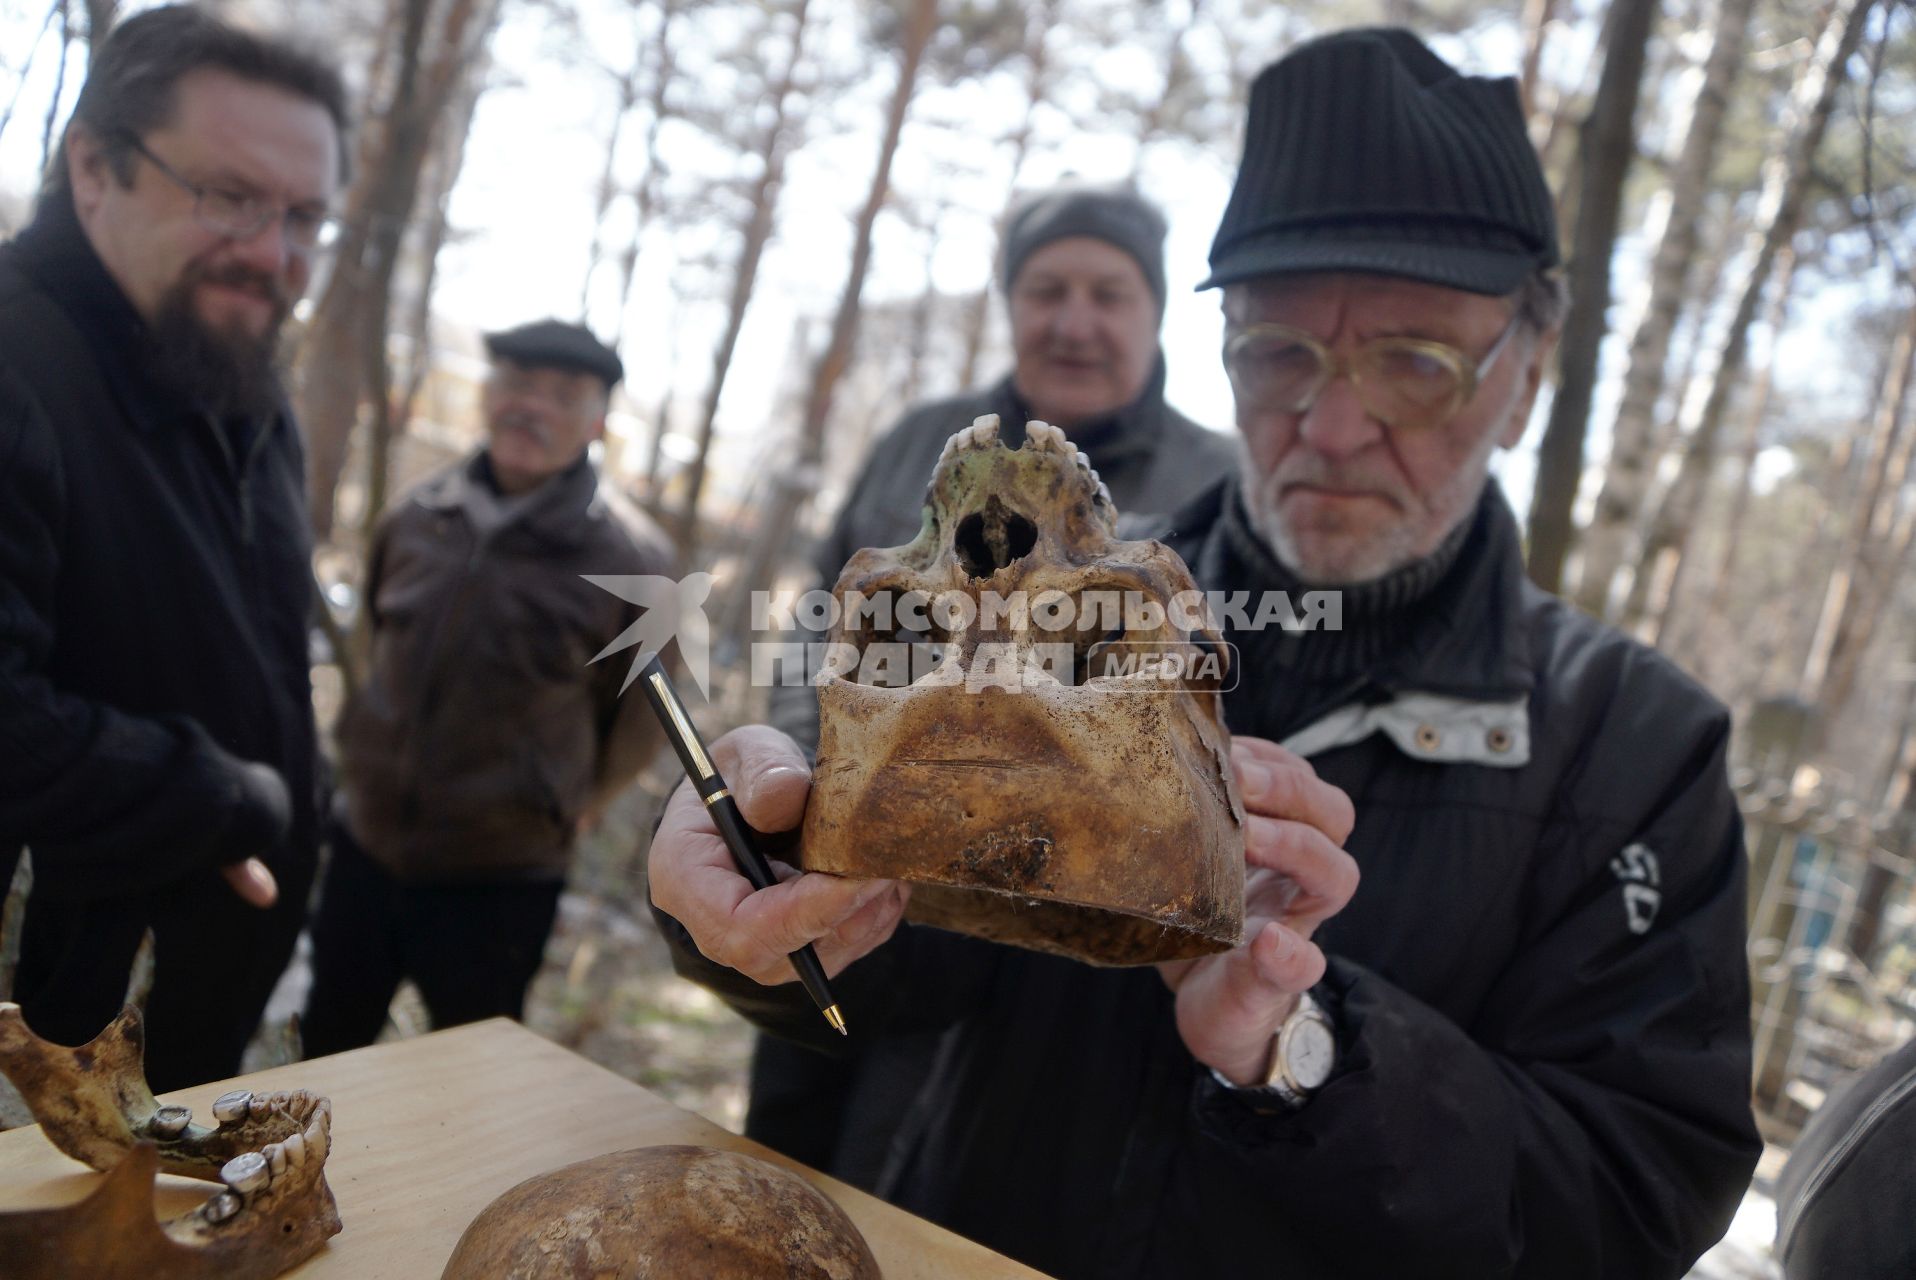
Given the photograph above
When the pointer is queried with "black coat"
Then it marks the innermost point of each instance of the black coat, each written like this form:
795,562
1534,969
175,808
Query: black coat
154,597
1847,1197
1539,989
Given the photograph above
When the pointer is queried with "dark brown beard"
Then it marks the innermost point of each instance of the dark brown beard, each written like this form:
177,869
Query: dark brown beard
229,374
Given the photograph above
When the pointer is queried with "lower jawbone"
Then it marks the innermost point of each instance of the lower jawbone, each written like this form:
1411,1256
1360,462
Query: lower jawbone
267,1149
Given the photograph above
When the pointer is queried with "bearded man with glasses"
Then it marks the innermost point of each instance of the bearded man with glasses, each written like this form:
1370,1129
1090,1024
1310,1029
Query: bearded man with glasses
157,747
1490,1016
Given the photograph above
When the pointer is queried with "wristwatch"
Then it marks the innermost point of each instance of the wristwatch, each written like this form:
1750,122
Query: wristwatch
1306,1051
1301,1060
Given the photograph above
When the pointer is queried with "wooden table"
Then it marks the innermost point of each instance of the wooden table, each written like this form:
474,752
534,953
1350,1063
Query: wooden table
427,1131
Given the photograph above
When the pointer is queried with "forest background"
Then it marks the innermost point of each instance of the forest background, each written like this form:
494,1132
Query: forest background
786,212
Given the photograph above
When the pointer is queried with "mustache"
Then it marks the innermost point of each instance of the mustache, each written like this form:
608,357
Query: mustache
1308,468
517,421
237,275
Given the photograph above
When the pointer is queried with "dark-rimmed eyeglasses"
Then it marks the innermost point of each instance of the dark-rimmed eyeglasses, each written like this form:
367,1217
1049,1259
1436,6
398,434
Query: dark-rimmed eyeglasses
1411,384
242,216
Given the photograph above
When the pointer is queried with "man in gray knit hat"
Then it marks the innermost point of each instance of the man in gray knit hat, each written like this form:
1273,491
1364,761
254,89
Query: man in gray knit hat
1521,1047
1083,277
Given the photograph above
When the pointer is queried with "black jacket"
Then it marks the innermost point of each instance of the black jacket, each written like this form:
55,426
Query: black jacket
1539,989
154,597
1845,1200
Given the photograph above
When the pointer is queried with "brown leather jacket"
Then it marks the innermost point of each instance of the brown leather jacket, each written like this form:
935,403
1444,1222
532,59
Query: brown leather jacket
481,735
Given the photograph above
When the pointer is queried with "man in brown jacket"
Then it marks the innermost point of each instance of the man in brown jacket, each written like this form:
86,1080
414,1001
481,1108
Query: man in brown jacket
482,739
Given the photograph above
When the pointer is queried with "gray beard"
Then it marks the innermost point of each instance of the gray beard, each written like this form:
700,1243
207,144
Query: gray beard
226,375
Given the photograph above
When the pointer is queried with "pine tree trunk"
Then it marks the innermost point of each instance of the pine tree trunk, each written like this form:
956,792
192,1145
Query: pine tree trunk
792,487
652,179
1037,89
1754,413
1632,460
1785,182
756,232
100,16
1536,20
1875,548
343,354
607,188
1605,154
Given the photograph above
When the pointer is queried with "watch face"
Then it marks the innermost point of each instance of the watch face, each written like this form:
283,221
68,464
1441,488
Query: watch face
1310,1054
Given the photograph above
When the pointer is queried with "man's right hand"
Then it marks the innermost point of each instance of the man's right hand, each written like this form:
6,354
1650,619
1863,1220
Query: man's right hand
695,881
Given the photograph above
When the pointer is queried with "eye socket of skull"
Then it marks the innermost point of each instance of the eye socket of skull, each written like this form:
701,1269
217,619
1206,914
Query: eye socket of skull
892,637
896,656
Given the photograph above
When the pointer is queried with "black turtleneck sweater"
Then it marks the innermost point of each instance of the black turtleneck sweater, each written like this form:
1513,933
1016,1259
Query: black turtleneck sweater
1300,674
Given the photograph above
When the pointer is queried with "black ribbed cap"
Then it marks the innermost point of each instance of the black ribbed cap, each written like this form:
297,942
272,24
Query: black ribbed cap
1365,151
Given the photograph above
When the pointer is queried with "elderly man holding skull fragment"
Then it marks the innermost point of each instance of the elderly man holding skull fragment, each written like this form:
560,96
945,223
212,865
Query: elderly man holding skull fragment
1521,1047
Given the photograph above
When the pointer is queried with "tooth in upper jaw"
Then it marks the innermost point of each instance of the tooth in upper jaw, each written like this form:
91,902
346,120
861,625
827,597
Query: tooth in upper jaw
230,1107
246,1172
170,1121
1045,436
293,1147
263,1104
221,1207
1082,459
275,1154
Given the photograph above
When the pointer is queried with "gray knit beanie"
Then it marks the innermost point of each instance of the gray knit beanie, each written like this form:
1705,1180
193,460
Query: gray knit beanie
1117,215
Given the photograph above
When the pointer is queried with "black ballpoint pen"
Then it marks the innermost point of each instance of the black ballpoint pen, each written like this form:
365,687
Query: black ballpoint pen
739,837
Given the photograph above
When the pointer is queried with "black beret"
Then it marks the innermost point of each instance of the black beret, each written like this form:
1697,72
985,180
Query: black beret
1367,152
553,344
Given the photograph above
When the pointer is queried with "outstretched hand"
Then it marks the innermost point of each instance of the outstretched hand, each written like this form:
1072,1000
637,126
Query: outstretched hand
695,881
1229,1006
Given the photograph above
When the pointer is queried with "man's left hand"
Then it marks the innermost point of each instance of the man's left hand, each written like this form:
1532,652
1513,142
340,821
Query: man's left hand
1230,1006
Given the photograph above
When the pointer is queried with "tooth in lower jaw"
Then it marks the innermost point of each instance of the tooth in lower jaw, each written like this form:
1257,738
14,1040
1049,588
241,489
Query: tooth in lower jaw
170,1121
275,1157
319,1135
293,1147
229,1107
221,1207
246,1172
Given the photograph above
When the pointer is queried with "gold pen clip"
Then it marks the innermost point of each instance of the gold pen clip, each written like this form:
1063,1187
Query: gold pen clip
682,724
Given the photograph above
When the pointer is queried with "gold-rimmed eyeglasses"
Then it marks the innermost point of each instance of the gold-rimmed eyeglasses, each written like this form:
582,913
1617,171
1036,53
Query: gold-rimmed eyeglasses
1411,384
243,216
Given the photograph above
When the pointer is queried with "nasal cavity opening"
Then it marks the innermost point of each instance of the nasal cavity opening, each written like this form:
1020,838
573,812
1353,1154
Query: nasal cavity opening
986,541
